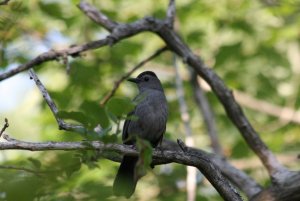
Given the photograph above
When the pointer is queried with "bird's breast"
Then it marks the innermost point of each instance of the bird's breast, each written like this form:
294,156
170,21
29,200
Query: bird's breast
152,113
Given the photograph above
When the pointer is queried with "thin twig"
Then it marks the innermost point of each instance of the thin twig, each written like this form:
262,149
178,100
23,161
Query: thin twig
185,118
6,125
61,124
171,13
230,193
45,94
10,139
124,77
66,63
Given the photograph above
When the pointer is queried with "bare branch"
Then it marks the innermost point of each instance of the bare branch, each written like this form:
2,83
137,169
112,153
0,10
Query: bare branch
232,108
171,13
185,118
53,55
10,139
202,162
124,77
61,124
207,114
6,125
231,192
45,94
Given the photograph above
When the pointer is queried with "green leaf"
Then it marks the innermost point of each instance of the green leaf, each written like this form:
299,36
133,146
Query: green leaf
95,114
76,116
73,167
51,9
36,163
227,52
120,106
145,157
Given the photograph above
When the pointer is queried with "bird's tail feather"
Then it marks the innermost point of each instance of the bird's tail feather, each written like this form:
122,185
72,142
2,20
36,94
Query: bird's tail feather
125,182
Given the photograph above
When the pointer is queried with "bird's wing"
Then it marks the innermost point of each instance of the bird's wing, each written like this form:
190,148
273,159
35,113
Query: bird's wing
125,134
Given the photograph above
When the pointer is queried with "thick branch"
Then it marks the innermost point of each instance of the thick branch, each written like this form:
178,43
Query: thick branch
234,195
239,178
202,162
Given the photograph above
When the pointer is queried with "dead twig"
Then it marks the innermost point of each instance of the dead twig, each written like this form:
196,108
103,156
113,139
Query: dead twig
6,125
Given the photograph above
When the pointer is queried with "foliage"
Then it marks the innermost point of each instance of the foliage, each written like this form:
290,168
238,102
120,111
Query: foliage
250,44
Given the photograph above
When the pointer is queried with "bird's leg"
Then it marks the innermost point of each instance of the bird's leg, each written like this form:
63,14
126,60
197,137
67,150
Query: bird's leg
160,147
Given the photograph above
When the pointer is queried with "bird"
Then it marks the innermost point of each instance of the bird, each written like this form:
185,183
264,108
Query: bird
152,113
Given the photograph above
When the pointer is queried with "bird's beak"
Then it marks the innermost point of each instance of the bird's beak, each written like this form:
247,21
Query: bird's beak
135,80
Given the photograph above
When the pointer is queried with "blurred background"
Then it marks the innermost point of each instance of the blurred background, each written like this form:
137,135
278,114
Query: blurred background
253,45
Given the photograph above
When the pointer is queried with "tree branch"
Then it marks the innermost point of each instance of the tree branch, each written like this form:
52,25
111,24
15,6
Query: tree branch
239,178
124,77
6,125
54,55
209,167
171,13
232,108
61,124
108,151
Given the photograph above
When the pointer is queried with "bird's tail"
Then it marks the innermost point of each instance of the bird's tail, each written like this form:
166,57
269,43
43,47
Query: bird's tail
125,182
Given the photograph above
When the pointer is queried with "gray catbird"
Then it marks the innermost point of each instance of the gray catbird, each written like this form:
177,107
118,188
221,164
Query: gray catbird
151,113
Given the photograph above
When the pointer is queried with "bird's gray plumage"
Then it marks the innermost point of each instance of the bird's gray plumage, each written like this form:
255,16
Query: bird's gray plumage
152,113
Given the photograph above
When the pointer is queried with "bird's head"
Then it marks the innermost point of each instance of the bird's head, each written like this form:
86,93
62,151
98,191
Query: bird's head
147,80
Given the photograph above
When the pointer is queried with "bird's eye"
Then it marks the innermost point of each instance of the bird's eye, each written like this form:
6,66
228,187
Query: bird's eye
146,79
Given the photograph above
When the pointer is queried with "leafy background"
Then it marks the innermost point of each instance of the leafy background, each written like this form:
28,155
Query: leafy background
252,45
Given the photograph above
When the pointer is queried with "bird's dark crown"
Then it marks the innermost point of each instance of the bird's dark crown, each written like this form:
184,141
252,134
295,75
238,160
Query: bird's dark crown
147,73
